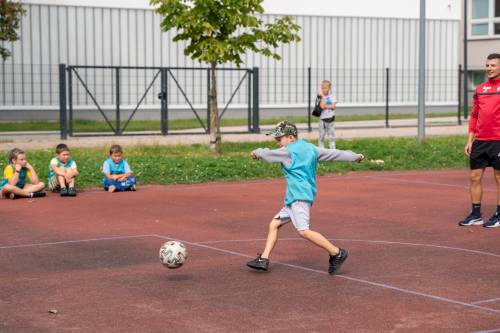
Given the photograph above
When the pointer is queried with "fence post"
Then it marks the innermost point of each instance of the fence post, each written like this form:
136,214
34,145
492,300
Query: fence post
209,86
164,101
459,111
309,128
117,123
249,102
62,101
70,101
387,97
255,120
466,94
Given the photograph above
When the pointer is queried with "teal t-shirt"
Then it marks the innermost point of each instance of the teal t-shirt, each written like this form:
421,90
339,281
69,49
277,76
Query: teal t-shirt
9,173
301,173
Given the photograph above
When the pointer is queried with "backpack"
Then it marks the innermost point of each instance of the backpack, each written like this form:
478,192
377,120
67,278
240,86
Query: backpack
317,109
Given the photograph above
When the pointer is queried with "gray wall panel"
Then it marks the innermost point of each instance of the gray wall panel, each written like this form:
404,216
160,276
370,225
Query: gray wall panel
352,52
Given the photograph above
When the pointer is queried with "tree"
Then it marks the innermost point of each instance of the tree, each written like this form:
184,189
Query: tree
10,17
221,31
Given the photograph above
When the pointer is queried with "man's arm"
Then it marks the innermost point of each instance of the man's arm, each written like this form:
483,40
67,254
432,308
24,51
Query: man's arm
474,115
280,155
468,146
472,125
338,155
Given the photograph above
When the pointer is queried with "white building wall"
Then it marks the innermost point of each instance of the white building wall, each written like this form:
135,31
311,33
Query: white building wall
352,51
435,9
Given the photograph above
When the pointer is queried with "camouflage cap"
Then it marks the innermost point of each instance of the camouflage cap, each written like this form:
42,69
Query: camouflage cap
283,128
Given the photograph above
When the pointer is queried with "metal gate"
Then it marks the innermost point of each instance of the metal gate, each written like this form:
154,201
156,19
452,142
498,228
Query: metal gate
128,100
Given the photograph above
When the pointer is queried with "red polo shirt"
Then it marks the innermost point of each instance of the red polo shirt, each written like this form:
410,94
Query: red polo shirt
485,116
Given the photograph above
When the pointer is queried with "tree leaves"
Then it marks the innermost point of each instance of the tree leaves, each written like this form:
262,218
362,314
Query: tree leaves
221,31
10,17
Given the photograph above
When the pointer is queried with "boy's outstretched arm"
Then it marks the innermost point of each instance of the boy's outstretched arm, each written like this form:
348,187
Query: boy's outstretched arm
280,155
338,155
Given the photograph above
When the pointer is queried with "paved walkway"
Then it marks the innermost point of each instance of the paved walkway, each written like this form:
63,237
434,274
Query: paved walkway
345,130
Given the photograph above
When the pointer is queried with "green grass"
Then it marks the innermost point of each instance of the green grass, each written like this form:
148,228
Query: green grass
181,124
195,163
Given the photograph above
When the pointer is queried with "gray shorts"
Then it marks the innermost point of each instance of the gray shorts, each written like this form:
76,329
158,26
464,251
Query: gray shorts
298,213
53,183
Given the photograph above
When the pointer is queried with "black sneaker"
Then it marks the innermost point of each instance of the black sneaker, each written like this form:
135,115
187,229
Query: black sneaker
493,222
472,219
337,261
63,192
259,263
37,194
71,192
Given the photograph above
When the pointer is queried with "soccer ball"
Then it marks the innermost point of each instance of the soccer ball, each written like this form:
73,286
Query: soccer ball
173,254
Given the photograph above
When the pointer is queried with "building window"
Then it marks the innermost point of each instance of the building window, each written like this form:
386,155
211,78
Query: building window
485,18
480,29
480,9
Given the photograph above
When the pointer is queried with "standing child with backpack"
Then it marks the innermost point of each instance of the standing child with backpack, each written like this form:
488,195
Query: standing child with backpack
327,116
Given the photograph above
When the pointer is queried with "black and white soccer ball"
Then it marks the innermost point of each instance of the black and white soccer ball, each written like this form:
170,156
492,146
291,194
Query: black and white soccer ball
173,254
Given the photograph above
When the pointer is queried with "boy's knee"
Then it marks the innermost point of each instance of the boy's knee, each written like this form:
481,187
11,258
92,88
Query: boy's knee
274,224
7,188
303,233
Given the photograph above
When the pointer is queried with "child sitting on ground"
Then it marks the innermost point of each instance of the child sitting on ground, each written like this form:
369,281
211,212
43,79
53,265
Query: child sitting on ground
63,172
117,172
14,177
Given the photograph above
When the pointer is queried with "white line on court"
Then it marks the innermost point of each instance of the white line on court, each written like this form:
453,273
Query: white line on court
382,285
73,241
488,331
362,241
491,300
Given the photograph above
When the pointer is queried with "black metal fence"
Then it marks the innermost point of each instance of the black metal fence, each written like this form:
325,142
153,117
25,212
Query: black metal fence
385,87
118,96
38,85
141,89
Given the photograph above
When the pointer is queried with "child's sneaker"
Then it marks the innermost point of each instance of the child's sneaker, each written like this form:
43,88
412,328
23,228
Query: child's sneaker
133,188
472,219
63,192
493,222
112,188
37,194
259,263
71,192
337,261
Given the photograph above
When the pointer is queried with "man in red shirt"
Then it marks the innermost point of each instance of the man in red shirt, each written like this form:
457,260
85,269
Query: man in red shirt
483,146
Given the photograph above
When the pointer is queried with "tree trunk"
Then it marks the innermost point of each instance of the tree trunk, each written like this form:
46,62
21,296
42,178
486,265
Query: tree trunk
215,136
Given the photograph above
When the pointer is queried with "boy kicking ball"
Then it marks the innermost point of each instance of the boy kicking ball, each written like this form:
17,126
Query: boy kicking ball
299,161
